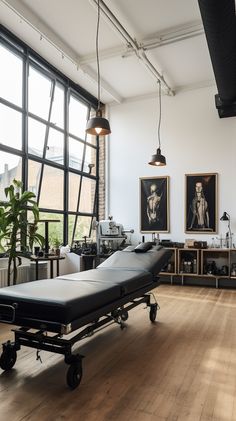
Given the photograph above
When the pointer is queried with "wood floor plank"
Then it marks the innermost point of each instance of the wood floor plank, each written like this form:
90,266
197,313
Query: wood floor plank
182,368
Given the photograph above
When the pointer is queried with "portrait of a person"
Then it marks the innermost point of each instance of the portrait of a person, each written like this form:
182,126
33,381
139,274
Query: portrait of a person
154,204
199,208
201,202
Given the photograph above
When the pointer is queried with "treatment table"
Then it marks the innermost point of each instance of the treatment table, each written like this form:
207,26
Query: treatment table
46,311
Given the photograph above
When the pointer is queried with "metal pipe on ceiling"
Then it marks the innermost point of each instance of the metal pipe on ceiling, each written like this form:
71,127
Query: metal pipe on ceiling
134,45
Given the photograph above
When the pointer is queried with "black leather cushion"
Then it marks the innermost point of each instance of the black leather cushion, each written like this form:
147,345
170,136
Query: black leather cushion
59,300
64,300
143,247
128,280
151,261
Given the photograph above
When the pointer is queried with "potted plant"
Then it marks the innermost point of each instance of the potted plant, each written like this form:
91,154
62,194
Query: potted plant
14,228
57,243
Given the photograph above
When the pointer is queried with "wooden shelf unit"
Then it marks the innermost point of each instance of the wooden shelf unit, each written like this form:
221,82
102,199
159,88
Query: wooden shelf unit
198,263
171,267
188,261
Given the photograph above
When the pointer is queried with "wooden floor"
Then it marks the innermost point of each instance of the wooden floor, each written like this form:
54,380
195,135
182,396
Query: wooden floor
181,368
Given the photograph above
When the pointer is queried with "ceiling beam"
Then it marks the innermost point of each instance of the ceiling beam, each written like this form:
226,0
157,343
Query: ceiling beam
173,35
182,88
105,86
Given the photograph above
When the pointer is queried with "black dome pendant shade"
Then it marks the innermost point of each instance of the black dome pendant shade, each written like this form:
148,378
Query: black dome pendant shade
158,159
98,125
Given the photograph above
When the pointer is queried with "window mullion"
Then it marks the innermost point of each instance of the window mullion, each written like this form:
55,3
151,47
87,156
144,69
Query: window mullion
46,140
66,163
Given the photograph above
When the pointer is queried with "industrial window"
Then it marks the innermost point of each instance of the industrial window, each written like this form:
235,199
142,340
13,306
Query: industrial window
43,142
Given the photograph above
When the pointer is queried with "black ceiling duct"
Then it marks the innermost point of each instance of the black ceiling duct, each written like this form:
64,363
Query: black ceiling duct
219,23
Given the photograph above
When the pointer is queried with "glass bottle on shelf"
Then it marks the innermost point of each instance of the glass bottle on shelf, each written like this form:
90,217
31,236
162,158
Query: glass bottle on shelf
219,242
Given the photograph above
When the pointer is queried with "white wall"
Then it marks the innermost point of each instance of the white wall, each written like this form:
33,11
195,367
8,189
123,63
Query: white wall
194,140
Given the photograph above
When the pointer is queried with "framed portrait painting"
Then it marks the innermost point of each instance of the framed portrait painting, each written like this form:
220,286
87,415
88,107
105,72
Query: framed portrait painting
201,203
154,204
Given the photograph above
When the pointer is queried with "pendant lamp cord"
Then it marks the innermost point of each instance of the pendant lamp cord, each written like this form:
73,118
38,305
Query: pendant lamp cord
159,122
98,66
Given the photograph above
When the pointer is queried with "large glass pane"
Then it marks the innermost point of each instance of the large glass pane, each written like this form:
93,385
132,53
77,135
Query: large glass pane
36,137
10,168
10,127
87,195
10,76
74,184
90,160
55,146
57,116
39,93
82,227
52,189
76,150
77,117
34,170
55,228
91,139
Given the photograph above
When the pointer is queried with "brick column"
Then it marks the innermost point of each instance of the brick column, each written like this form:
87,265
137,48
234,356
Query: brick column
101,198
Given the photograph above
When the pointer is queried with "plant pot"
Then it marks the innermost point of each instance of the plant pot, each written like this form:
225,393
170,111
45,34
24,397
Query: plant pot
58,252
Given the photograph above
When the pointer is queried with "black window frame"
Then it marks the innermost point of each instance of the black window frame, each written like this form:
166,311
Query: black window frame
31,58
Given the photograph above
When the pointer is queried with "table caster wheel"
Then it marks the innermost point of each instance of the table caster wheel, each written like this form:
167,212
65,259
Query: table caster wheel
74,375
153,312
8,358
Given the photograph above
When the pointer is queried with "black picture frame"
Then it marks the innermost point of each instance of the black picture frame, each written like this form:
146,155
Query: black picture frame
201,203
154,204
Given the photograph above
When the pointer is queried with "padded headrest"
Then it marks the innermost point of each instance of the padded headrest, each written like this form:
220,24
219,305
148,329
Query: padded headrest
143,247
151,261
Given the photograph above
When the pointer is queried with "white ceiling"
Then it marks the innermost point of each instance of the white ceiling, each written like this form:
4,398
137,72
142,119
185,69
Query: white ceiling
168,33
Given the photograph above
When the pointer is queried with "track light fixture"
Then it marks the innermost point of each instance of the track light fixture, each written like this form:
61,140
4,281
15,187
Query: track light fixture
98,125
158,159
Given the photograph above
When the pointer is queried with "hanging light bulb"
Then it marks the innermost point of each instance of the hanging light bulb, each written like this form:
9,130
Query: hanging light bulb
158,159
98,125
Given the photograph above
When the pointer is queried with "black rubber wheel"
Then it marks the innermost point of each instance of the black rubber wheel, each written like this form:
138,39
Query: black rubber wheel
74,375
153,313
8,359
124,315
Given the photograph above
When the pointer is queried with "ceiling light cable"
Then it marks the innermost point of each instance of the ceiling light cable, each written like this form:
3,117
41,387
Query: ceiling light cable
158,159
98,125
137,48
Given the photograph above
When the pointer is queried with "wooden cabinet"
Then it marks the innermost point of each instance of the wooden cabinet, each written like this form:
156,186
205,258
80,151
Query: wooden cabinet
170,268
202,263
188,261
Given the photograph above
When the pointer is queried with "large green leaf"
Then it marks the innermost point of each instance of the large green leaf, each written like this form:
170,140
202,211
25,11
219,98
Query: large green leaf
13,223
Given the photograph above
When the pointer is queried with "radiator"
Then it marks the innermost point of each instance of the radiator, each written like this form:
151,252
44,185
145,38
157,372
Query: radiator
23,272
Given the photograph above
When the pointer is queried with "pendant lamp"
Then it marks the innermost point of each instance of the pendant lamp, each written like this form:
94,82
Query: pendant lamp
98,125
158,159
